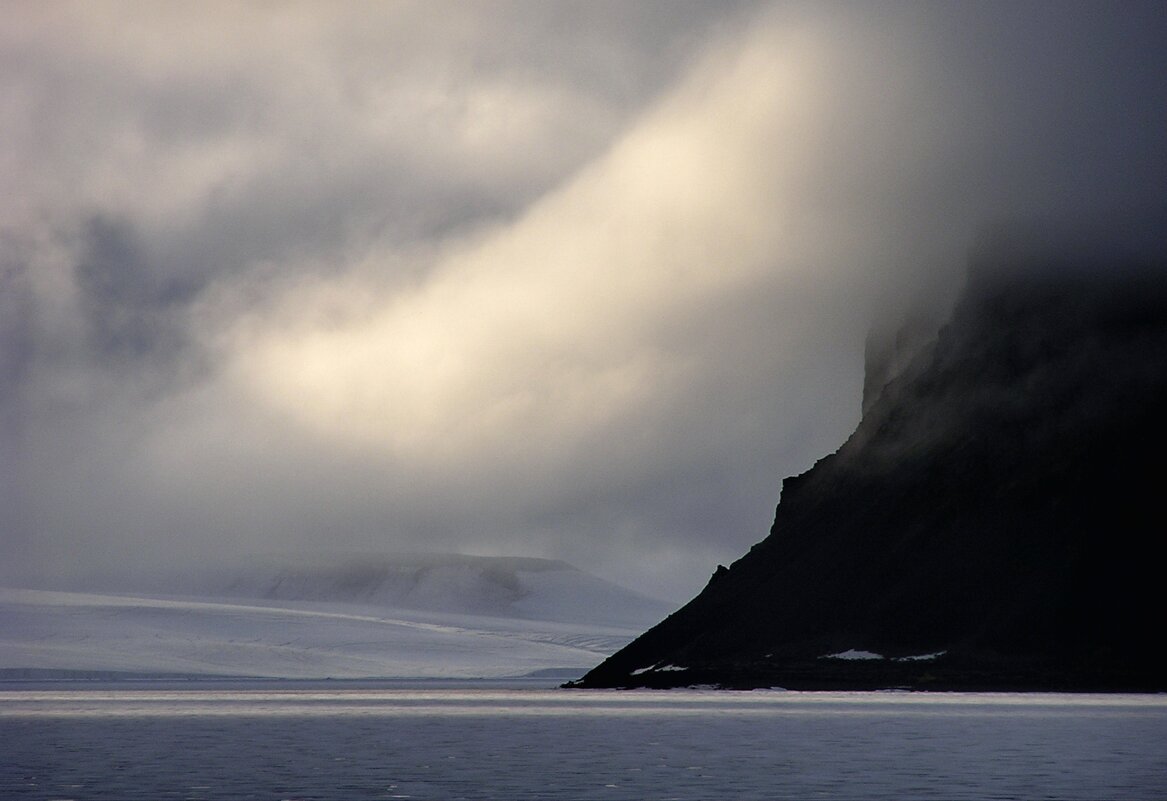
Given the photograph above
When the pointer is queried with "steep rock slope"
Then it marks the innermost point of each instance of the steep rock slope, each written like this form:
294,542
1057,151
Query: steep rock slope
994,522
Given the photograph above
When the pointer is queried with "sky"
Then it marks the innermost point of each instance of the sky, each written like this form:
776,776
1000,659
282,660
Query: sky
579,280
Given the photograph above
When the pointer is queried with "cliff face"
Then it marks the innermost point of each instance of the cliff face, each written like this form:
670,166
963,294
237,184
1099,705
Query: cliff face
994,521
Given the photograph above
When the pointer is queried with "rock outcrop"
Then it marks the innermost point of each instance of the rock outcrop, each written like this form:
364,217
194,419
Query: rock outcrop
994,522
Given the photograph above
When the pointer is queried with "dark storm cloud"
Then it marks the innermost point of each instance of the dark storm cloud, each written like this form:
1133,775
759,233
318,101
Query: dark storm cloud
1075,96
581,280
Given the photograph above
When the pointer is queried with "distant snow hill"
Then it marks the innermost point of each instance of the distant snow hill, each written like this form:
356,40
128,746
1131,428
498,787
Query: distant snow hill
357,616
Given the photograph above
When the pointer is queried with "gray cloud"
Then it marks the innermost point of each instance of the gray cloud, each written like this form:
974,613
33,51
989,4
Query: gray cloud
123,300
575,280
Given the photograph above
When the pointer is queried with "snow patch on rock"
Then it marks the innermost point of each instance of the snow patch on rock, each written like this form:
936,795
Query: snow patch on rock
852,653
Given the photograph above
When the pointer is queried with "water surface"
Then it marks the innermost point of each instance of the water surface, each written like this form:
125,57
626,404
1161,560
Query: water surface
322,742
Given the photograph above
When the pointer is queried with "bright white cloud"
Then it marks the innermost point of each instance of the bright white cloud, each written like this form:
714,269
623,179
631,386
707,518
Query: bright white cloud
590,308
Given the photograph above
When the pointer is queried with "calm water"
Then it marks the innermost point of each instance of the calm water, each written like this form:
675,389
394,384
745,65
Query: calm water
354,743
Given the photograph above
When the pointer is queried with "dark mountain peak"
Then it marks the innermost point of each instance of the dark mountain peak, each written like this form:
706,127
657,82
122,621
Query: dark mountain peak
993,521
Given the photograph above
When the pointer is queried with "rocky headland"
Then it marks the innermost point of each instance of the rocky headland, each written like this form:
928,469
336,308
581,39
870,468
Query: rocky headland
993,523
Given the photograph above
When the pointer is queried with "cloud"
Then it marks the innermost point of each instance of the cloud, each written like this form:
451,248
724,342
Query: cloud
626,328
573,280
613,290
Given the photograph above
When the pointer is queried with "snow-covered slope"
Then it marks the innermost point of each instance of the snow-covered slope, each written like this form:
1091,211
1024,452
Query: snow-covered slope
486,618
538,589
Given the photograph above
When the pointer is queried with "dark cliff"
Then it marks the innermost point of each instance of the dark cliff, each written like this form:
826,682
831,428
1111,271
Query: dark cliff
994,522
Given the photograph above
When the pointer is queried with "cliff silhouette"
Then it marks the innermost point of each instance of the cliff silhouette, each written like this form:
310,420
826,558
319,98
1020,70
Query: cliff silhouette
993,523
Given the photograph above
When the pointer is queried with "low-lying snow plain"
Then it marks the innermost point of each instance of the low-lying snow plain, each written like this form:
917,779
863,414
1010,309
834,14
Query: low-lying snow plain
417,617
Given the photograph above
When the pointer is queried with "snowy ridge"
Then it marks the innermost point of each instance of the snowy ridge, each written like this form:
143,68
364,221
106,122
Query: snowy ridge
47,630
537,589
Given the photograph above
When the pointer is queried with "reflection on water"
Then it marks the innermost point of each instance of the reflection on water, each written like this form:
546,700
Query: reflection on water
527,744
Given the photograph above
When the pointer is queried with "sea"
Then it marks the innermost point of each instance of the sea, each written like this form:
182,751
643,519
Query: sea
229,741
